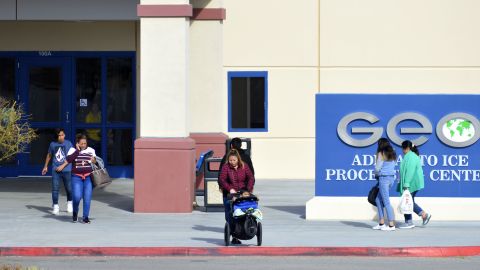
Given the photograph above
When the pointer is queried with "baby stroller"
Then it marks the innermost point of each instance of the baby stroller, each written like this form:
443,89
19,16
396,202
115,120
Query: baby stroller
245,219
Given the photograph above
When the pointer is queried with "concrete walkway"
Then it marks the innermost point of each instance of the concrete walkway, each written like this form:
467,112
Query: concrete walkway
26,221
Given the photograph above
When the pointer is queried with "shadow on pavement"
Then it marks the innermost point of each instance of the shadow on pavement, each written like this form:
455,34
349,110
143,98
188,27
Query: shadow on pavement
30,185
43,209
43,185
115,200
208,228
65,217
292,209
357,224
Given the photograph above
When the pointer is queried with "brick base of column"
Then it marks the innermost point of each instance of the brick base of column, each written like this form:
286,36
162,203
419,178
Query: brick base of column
164,175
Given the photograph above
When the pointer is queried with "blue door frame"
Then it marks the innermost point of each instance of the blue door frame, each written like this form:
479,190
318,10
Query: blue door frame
66,61
25,64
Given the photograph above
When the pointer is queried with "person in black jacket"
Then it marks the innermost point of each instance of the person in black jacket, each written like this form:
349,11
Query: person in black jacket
236,143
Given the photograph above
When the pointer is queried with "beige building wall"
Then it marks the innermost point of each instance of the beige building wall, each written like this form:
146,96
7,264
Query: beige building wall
265,33
344,46
377,46
289,143
205,70
281,37
67,36
409,46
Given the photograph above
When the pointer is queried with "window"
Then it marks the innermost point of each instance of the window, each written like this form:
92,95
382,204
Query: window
247,101
119,90
106,86
7,78
89,93
119,147
45,87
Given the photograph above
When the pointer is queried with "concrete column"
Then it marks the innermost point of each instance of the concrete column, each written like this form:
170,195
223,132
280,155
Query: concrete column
206,67
164,66
164,155
206,76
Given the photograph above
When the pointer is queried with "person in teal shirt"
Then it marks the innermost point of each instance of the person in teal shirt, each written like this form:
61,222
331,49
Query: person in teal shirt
411,178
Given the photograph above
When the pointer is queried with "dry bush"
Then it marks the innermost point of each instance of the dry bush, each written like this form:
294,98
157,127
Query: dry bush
15,131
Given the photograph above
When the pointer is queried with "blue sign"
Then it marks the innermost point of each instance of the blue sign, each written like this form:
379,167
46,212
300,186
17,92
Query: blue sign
445,128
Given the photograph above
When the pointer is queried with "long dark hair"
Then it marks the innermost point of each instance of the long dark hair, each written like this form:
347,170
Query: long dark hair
382,144
389,153
408,144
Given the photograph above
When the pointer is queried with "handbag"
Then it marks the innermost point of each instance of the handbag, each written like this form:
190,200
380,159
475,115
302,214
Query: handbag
100,177
372,195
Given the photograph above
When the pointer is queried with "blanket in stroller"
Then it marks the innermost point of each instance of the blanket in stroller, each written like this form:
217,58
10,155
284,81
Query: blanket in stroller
247,206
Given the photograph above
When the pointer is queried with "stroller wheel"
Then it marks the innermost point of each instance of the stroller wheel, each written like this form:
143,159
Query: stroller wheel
227,234
259,234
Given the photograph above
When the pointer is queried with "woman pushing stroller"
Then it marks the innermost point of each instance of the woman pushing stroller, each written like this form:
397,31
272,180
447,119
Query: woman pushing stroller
234,177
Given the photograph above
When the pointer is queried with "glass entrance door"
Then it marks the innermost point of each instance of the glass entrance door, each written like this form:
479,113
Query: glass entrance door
45,86
82,92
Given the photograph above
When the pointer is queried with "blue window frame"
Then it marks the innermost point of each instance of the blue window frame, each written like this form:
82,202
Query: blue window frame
248,101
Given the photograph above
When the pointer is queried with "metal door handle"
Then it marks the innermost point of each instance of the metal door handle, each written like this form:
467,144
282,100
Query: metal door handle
68,113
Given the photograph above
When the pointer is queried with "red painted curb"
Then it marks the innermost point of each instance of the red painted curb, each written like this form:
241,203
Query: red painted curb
243,251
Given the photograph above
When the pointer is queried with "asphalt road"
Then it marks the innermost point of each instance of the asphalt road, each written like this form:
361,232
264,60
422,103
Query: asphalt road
234,263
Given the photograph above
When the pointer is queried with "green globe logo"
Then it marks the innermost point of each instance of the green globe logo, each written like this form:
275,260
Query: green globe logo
458,130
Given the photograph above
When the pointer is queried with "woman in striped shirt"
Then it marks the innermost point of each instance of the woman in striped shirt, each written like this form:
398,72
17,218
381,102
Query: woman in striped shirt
81,158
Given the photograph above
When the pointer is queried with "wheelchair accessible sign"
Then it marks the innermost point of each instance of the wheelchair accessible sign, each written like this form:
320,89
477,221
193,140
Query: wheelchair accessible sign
446,129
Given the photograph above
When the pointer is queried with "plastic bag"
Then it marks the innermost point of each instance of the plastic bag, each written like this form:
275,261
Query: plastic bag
406,203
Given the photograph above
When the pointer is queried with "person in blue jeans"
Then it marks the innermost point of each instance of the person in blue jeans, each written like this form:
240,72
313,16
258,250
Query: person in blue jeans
81,158
234,177
57,152
385,170
411,178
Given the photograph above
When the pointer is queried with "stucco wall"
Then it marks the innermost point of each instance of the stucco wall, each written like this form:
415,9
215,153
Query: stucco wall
67,36
377,46
280,37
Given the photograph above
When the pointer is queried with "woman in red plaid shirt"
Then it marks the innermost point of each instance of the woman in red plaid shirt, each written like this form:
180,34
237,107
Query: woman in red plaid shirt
234,177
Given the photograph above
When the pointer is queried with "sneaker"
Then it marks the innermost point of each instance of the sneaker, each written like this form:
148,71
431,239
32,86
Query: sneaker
378,227
426,219
75,217
235,241
56,209
69,207
406,226
86,220
387,228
